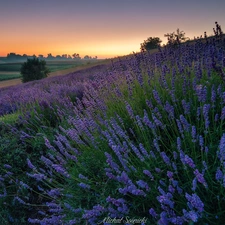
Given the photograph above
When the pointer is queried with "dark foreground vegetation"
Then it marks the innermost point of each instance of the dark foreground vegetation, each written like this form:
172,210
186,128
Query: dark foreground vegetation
140,141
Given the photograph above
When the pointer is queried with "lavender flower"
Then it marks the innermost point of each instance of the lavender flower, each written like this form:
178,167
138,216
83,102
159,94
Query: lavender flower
191,215
84,186
82,177
143,150
19,200
221,152
59,169
193,133
206,108
201,141
129,110
213,95
194,184
170,174
165,158
200,178
195,201
156,97
185,123
149,174
143,184
153,213
222,113
30,165
186,106
7,166
37,176
189,161
219,174
169,109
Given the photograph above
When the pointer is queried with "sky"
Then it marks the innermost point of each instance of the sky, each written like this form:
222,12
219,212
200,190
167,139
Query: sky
103,28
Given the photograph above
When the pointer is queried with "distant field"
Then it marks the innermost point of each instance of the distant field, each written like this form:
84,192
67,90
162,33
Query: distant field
56,71
9,71
4,75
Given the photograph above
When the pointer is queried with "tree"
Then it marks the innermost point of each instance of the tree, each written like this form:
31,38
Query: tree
50,57
87,57
150,43
176,38
76,56
34,69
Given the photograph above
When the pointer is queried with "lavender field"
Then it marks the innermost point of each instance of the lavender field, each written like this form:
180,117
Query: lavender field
141,141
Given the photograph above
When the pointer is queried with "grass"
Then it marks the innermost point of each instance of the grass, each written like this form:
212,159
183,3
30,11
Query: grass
9,76
10,118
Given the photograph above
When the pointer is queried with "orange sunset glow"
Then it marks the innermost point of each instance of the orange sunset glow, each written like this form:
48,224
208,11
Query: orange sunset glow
103,28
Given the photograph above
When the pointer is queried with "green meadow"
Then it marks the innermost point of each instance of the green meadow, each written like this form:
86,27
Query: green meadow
9,71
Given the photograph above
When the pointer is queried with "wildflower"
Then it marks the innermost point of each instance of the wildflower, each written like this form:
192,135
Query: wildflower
129,110
61,170
219,174
54,192
185,123
84,186
200,177
191,215
206,108
213,95
143,184
222,113
143,150
155,142
148,173
7,166
153,213
222,149
37,176
19,200
193,133
169,109
30,165
157,121
82,177
195,201
201,141
170,174
165,158
194,184
186,106
111,163
189,161
156,97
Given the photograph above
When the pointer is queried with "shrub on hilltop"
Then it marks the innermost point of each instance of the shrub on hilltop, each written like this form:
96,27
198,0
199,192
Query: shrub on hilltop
150,43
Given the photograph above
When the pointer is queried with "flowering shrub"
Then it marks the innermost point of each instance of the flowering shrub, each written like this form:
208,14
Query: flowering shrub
146,140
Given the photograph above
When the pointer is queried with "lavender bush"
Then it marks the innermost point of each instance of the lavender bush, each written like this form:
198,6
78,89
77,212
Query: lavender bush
145,141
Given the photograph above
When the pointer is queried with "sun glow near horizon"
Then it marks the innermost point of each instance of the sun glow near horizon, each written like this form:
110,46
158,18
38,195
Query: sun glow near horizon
105,29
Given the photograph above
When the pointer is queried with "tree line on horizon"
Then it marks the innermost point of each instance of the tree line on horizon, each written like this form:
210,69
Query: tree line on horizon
16,57
175,38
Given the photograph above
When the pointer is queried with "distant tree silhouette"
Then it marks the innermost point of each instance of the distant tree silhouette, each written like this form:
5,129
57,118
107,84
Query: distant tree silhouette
87,57
150,43
50,56
76,56
176,38
34,69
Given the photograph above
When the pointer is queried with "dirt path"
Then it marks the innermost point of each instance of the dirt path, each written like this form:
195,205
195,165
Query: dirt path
13,82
